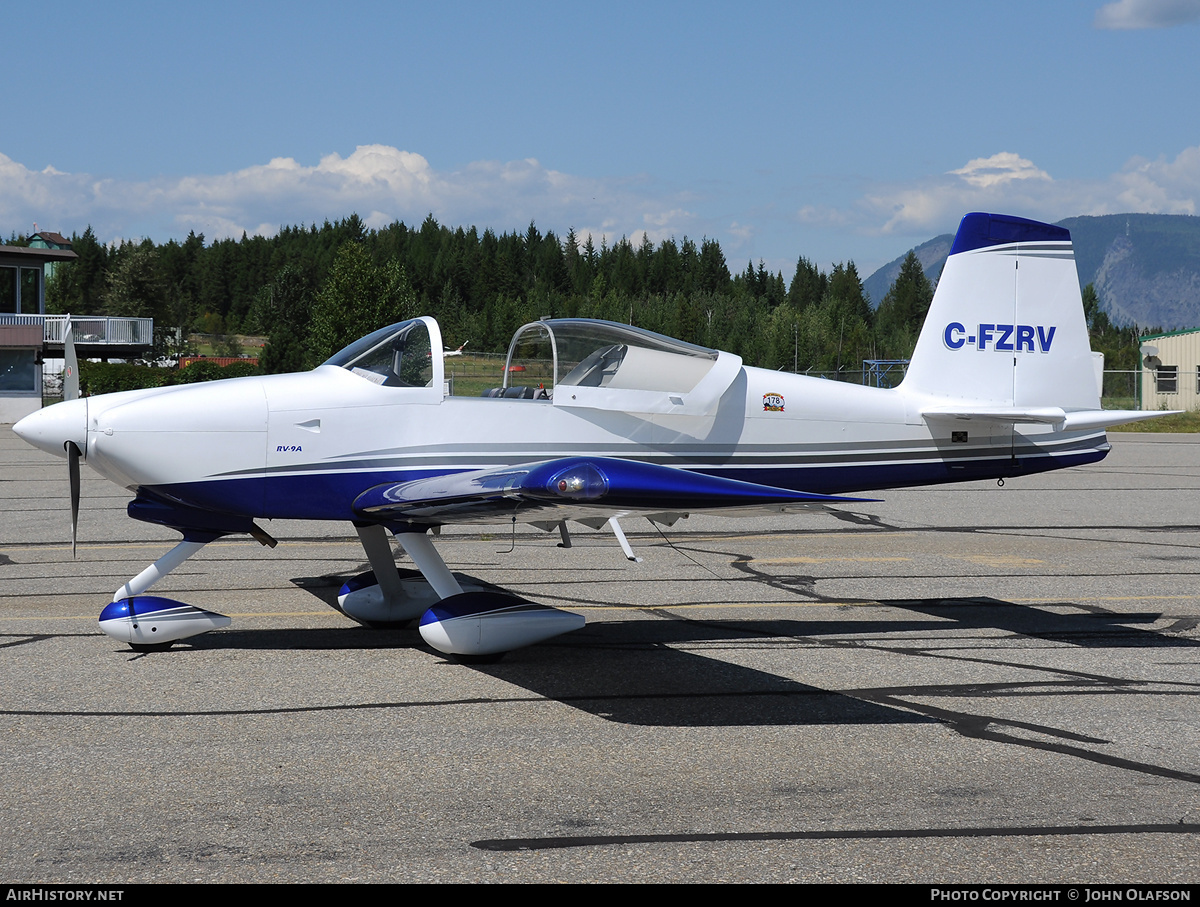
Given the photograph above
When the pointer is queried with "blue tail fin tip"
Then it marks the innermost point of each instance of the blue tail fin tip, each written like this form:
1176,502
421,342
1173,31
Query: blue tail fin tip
978,230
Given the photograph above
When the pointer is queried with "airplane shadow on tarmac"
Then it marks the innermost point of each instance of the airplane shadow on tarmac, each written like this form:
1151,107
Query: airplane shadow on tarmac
674,671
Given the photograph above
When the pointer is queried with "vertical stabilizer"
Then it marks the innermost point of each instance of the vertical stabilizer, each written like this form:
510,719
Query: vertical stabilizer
1006,325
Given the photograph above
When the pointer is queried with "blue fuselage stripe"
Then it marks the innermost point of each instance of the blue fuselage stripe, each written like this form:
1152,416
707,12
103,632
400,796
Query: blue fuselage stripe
329,496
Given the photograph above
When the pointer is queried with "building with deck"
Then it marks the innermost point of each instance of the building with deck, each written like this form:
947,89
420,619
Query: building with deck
28,336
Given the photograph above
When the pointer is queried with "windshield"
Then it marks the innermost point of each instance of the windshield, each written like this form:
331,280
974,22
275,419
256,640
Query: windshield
396,356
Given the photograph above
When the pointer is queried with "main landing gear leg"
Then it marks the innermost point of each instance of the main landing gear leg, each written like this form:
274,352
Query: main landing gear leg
379,552
418,546
384,597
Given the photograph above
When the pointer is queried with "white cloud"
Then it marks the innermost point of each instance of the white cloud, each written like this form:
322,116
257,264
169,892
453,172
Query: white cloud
998,169
1161,186
1136,14
656,225
663,219
385,182
743,232
825,216
1003,181
1012,184
377,220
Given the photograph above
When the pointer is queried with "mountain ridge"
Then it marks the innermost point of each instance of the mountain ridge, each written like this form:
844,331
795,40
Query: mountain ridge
1145,267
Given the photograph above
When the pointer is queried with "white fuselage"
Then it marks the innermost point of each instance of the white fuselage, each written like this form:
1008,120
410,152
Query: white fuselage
305,445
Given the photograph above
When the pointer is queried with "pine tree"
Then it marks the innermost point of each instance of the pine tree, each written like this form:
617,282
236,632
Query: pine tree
808,285
359,297
902,312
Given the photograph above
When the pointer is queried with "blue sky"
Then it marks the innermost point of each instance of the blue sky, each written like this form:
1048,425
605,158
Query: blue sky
833,131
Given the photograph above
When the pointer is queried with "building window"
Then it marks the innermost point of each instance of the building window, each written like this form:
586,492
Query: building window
8,290
31,281
20,296
1166,379
18,371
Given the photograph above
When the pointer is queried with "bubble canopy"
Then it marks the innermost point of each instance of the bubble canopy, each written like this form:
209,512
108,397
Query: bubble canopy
605,365
575,362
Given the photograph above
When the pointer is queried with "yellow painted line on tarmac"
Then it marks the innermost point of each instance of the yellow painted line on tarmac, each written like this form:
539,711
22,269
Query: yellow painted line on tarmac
718,606
718,536
159,543
820,560
997,560
241,615
966,600
6,620
608,609
327,613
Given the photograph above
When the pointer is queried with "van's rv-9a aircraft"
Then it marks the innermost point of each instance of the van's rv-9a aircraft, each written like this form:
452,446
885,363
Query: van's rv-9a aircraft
627,422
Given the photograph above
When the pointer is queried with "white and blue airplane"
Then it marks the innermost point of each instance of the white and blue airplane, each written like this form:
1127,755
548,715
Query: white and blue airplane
617,422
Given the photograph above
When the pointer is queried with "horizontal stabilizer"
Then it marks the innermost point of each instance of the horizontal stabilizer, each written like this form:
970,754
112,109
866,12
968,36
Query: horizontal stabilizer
1047,414
598,483
1050,415
1104,418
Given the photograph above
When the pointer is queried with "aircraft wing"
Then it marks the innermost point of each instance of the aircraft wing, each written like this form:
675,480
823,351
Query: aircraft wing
573,488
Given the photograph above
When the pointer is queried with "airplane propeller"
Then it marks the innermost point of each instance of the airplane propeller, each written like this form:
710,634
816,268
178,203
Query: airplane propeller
71,363
73,454
71,392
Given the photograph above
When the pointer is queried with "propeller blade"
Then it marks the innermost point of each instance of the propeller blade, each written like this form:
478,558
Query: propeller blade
71,371
73,455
